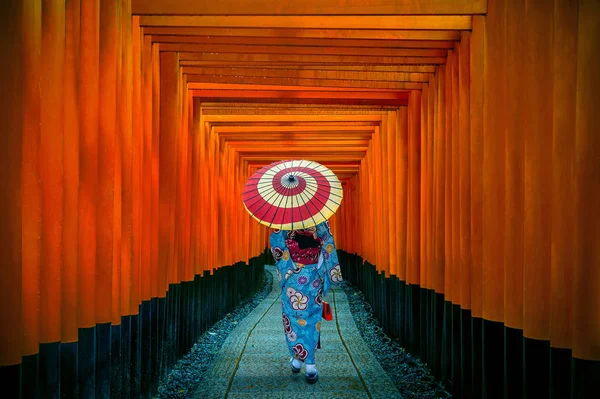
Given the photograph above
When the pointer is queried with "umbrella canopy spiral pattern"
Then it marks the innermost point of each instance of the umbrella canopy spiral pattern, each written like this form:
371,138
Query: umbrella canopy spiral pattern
291,195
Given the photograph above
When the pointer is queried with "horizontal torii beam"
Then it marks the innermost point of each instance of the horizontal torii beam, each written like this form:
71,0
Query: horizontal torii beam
324,33
420,22
308,7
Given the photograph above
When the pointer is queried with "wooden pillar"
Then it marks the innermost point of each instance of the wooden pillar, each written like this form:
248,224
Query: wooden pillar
514,177
514,184
453,317
538,177
51,173
89,110
586,270
448,137
476,127
15,19
29,113
120,131
195,189
402,182
439,152
424,186
464,170
430,234
167,167
391,199
149,173
464,206
455,192
563,173
494,149
413,253
564,185
106,160
448,239
380,230
137,174
158,275
71,172
128,146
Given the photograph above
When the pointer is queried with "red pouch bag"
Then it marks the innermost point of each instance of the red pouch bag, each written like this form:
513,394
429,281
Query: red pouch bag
327,315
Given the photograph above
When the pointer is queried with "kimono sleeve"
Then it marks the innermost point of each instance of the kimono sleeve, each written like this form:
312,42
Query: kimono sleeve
332,272
283,261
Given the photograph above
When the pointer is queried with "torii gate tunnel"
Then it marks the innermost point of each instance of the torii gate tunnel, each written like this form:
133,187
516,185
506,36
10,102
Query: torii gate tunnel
464,132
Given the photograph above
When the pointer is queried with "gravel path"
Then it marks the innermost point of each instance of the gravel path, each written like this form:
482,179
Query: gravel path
412,378
186,376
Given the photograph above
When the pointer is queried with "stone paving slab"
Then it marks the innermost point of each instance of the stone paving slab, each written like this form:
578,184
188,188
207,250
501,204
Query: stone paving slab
254,360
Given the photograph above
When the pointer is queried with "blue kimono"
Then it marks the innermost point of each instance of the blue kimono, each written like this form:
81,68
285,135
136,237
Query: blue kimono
307,265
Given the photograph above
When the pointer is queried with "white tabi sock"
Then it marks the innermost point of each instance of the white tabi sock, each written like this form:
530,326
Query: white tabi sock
297,363
311,369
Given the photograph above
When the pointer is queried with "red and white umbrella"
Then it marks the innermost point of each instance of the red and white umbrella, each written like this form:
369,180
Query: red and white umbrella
292,195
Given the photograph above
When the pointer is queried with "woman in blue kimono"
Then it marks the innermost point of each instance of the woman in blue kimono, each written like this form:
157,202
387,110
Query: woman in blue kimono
307,266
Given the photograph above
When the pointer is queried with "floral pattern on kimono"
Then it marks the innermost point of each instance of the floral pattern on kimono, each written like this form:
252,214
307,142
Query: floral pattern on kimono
304,280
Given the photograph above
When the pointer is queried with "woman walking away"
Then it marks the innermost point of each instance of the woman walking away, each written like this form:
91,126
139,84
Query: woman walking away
307,266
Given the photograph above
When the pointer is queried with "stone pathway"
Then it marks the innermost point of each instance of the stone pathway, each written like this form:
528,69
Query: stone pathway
254,360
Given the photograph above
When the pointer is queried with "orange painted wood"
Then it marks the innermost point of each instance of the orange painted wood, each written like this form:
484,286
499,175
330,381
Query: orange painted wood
322,117
203,188
69,285
413,256
51,167
187,55
449,135
437,22
432,112
586,321
310,42
293,93
125,119
476,100
455,193
31,192
118,172
464,166
301,50
423,188
137,211
158,275
14,21
258,80
426,276
456,133
494,143
439,152
362,34
516,126
309,73
127,150
195,205
402,192
311,7
564,219
426,279
538,182
382,257
89,107
147,280
106,160
427,69
167,183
